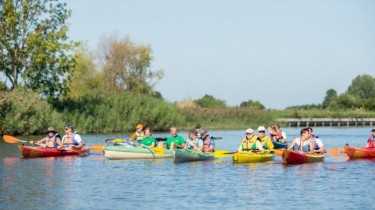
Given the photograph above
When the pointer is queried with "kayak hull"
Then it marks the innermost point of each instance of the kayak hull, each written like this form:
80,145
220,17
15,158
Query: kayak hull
252,157
38,152
126,152
280,145
360,153
295,157
183,155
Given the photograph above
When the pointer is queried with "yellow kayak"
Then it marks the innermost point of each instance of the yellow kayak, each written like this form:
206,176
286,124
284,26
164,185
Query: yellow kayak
252,157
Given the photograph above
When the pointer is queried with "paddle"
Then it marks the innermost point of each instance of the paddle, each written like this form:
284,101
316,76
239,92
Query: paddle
12,139
335,151
97,148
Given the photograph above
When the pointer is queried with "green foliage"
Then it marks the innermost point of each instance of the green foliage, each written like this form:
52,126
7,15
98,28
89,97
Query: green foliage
34,47
331,95
305,107
22,111
254,104
363,87
118,112
127,66
208,101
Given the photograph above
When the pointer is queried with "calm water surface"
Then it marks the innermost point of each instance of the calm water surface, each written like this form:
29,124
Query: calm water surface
93,182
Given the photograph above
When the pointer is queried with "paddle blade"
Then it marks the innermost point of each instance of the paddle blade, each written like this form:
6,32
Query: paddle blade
334,151
117,141
97,148
158,150
278,152
11,139
222,153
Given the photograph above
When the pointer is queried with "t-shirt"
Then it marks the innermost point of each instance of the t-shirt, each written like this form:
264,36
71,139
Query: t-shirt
178,140
147,141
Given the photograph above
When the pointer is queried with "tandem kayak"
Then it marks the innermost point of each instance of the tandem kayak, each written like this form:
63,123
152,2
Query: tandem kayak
184,155
37,152
252,157
280,145
296,157
126,152
360,153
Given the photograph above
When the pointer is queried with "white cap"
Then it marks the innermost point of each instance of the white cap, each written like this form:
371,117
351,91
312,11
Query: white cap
249,130
261,128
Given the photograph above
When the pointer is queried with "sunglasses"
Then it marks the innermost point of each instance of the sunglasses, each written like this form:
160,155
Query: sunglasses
50,132
261,131
249,133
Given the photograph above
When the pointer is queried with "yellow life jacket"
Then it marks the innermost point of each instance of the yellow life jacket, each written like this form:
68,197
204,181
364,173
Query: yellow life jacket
249,144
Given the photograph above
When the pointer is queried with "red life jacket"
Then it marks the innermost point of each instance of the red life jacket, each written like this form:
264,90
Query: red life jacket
278,136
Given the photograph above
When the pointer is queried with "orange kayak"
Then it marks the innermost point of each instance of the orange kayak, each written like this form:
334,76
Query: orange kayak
360,153
37,152
295,157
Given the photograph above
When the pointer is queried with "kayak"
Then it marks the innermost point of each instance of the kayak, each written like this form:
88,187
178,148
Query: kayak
184,155
280,145
296,157
37,152
252,157
360,153
126,152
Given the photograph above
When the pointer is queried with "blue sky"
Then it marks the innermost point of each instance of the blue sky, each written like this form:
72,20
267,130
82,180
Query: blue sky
280,53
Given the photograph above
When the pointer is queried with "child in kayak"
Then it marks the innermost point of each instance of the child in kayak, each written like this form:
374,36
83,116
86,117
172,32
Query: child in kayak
192,141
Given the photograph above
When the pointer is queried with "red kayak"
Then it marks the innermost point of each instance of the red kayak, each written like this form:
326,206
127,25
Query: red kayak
36,152
296,157
360,153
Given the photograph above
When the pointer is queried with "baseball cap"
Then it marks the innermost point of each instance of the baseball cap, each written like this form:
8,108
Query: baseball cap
139,126
249,130
373,130
203,131
261,128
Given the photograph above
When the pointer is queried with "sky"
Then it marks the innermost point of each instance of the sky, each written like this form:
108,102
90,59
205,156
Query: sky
280,53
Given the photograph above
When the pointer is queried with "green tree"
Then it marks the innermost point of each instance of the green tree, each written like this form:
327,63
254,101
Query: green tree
252,104
331,95
34,47
127,66
209,101
363,86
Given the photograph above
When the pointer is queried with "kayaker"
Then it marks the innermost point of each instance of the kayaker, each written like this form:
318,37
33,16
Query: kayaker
148,140
198,130
192,141
52,139
265,140
276,134
303,140
138,135
72,139
250,142
174,141
208,142
316,144
371,139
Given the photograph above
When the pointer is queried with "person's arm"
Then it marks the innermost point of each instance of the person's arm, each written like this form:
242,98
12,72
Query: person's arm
79,140
37,142
134,136
292,144
59,142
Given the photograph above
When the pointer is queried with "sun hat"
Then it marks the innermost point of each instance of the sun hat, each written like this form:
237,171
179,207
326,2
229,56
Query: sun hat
249,130
261,128
139,126
51,129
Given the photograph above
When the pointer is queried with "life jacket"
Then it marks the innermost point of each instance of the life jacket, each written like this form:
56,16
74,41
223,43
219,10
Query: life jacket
208,142
371,141
191,142
305,148
71,141
48,140
278,136
139,136
249,144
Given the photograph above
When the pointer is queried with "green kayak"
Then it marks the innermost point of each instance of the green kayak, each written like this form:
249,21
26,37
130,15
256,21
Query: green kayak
130,152
183,155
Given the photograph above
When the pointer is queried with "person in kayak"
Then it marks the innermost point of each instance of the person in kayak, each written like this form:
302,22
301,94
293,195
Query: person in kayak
52,139
316,144
371,139
192,141
148,140
277,134
250,142
174,141
72,139
138,135
301,144
208,142
265,140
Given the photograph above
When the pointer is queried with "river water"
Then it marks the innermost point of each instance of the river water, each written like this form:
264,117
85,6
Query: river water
94,182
